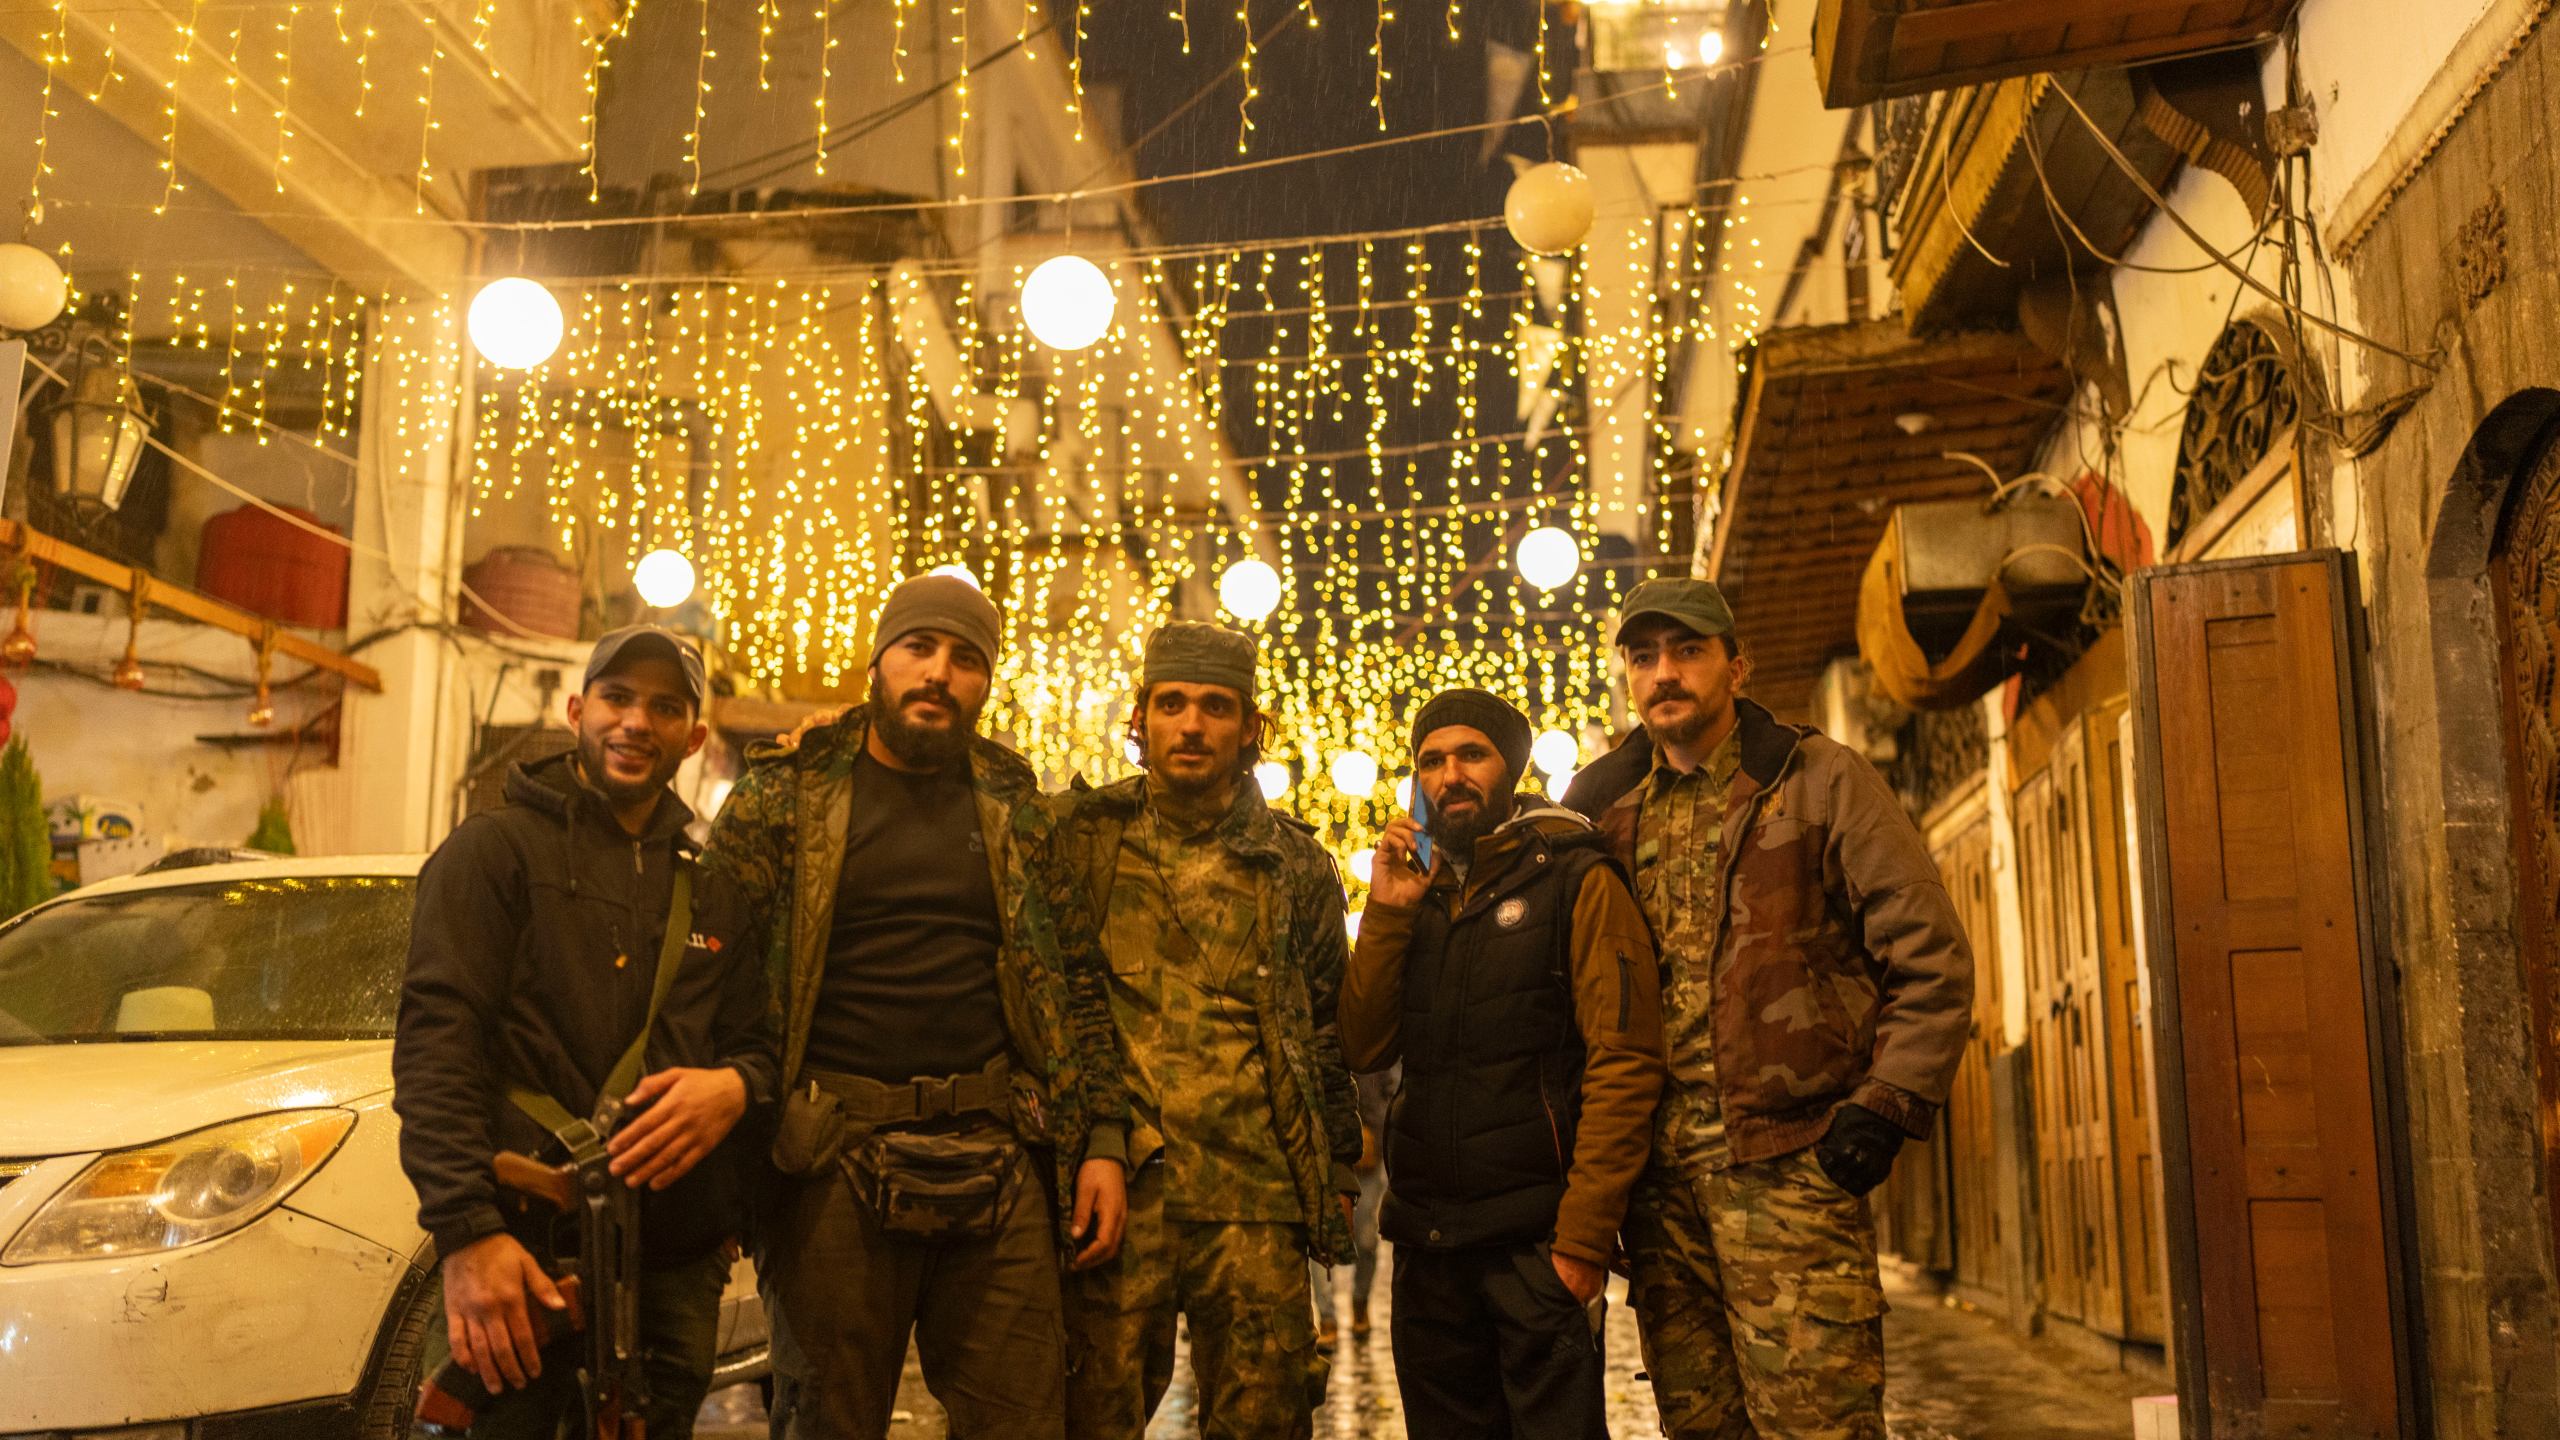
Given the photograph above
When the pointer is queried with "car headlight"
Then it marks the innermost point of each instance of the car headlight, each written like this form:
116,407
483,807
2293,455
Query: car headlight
183,1191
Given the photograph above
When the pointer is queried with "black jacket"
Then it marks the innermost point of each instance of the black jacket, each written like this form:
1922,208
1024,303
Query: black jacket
531,957
1481,1139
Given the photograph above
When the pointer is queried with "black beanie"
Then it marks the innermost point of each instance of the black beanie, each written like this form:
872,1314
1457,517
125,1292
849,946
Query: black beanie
1501,722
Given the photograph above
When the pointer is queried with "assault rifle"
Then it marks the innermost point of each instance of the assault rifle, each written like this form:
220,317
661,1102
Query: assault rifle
602,1286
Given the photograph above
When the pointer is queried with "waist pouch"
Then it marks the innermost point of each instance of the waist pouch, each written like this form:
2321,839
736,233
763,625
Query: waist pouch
948,1186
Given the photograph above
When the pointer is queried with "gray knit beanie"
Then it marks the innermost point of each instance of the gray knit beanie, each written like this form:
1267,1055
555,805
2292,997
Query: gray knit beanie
938,602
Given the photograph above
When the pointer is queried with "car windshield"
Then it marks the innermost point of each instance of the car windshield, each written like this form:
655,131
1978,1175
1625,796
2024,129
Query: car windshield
313,957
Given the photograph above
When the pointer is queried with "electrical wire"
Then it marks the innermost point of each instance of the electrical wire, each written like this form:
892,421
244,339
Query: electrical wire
1055,197
2153,194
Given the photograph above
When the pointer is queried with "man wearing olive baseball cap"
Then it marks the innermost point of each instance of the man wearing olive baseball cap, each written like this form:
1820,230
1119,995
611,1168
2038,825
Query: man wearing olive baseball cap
1816,992
932,1099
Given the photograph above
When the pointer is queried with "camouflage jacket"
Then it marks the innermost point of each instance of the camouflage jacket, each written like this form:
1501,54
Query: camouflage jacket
1314,1110
1840,970
781,839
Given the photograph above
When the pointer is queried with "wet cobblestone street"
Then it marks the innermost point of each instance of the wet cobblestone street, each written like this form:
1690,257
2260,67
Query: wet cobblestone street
1952,1374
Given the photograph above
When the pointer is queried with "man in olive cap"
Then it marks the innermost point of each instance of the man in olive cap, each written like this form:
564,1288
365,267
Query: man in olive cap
1816,992
1221,924
934,1071
1516,982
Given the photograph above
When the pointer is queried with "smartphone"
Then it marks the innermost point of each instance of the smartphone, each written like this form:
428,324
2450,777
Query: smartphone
1422,820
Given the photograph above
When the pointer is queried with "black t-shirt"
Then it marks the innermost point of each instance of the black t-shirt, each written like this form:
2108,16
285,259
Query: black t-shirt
910,984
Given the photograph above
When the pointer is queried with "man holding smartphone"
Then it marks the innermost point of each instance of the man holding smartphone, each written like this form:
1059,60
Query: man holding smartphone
1517,983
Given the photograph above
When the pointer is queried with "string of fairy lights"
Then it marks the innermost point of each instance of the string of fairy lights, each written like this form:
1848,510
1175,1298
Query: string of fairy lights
791,446
1083,439
259,53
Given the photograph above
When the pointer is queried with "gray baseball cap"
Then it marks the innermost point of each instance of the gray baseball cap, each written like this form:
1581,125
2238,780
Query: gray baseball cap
649,642
1697,604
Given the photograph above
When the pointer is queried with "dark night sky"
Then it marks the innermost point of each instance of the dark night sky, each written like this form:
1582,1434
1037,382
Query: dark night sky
1315,94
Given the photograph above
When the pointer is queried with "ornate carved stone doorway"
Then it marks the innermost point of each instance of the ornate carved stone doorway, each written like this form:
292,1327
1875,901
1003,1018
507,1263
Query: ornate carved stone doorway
2526,574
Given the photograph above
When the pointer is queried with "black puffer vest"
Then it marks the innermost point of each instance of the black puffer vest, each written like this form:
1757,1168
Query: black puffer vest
1480,1137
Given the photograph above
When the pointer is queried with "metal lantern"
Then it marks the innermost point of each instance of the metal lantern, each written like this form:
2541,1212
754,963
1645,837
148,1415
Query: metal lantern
98,432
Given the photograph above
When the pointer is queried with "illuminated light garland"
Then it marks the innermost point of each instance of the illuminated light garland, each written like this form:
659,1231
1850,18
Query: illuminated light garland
777,431
57,54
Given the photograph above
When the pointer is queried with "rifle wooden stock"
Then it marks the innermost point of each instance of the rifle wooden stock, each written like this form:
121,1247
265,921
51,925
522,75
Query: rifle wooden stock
528,1176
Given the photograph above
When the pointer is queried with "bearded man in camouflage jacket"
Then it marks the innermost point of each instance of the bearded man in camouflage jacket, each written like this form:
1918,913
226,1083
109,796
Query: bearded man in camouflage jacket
1222,924
940,1070
1816,992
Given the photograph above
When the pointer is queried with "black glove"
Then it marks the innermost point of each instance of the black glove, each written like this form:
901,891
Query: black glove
1857,1153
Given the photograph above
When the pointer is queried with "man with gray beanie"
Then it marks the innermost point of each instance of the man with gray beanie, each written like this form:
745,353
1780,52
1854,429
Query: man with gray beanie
1516,981
937,1072
1221,924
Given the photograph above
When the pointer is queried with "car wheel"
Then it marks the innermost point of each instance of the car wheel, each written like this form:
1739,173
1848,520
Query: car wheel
417,1347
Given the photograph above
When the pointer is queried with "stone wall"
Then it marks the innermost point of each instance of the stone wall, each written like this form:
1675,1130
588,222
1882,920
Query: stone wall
2463,264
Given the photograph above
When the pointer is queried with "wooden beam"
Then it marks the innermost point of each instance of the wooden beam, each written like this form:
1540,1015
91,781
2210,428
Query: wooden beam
177,599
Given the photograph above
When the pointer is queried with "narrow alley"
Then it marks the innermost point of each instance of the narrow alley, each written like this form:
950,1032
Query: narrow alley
1955,1374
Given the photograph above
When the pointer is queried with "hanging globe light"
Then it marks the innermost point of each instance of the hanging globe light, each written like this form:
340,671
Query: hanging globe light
1067,302
1273,778
1404,792
1548,557
1355,773
1555,751
958,572
32,289
1364,863
1549,209
664,578
1250,590
1351,924
515,324
1710,47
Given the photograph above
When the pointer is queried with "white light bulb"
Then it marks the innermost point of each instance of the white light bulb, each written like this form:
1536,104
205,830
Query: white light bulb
1250,590
1351,925
1364,863
1548,557
1355,773
1555,751
1711,47
1273,777
664,578
1068,302
1560,782
958,572
515,324
1404,793
33,292
1549,209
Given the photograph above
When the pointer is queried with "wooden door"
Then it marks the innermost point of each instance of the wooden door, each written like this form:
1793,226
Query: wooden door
2527,574
1964,860
2080,1035
2142,1272
2051,899
2274,1023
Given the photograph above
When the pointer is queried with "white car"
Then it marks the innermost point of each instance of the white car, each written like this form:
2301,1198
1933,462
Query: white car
204,1230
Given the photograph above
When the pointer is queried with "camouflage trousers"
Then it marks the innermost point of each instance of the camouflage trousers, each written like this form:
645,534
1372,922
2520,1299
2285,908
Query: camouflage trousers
1243,1287
1758,1302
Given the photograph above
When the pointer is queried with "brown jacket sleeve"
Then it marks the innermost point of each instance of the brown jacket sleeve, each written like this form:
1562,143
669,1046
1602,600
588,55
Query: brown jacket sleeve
1913,934
1372,1003
1617,1001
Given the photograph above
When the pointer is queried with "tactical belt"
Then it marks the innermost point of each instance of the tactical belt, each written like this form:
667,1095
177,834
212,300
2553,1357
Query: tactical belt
877,1102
